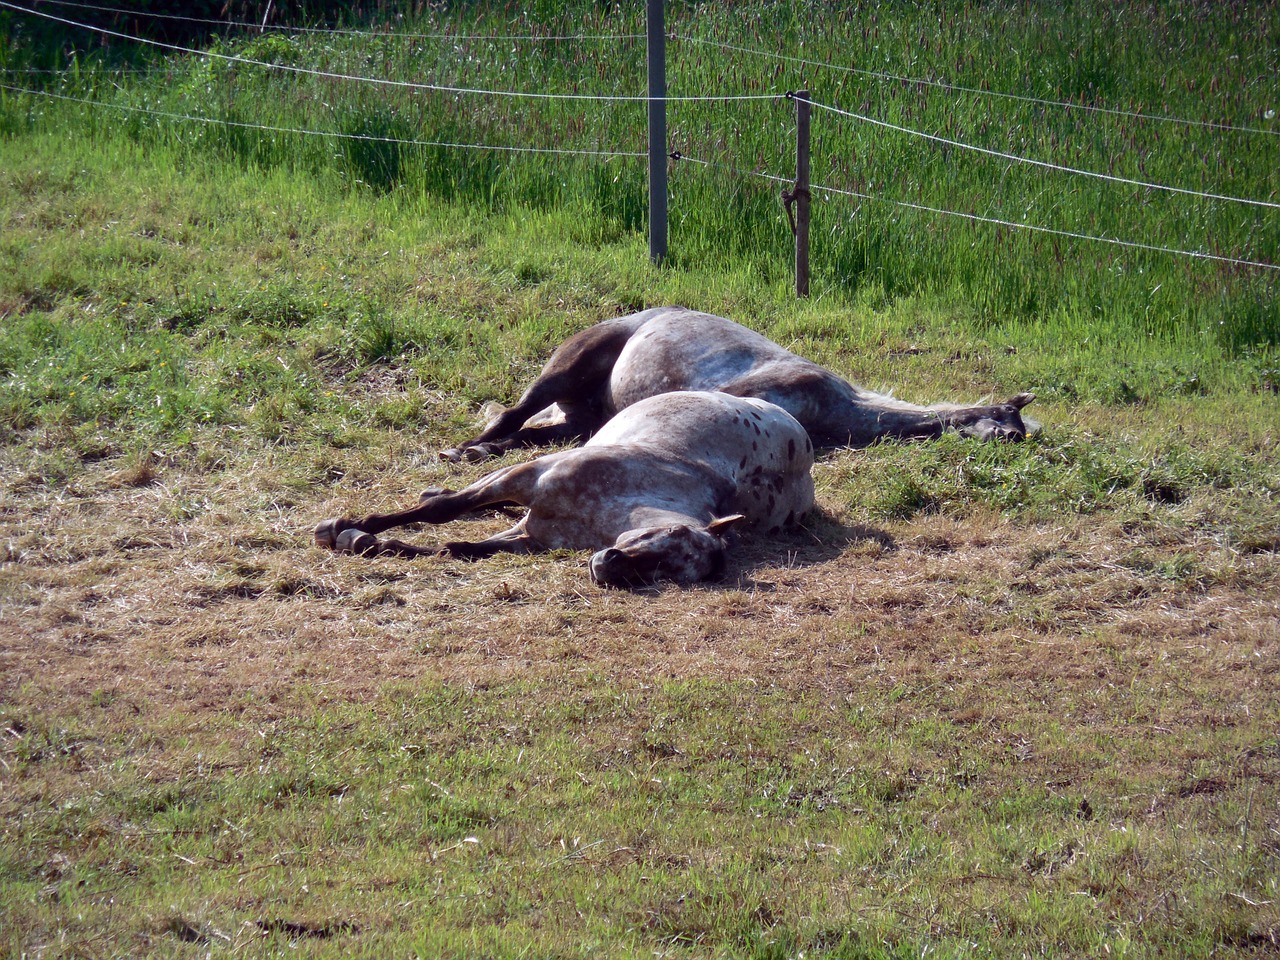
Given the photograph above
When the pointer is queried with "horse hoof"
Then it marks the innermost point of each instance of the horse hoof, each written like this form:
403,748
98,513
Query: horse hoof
327,533
356,541
477,453
452,455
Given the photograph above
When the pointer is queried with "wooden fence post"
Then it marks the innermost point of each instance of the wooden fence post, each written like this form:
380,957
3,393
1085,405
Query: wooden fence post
657,132
800,195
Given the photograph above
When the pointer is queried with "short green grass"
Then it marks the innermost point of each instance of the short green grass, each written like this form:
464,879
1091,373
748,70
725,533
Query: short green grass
580,817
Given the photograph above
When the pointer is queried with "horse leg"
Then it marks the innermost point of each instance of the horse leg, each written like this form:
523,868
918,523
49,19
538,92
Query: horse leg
514,540
576,423
576,377
510,485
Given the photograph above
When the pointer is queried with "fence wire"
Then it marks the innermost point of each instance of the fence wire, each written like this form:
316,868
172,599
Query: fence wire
382,81
1043,164
977,218
946,141
342,31
333,134
977,91
390,33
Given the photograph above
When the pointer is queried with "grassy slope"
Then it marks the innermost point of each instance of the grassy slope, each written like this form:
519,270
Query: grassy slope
1018,698
1214,64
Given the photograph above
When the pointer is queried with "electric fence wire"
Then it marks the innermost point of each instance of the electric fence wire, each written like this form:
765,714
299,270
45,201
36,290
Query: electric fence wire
1015,158
977,91
337,135
1043,164
341,31
977,218
684,38
382,81
113,71
824,189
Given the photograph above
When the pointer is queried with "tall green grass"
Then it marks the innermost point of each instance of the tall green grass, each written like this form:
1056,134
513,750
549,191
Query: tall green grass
1209,63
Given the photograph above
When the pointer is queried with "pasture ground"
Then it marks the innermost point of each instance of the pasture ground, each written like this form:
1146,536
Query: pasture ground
993,701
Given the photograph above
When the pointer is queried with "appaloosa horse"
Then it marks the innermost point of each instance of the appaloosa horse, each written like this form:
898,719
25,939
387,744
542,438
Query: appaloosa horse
607,367
653,492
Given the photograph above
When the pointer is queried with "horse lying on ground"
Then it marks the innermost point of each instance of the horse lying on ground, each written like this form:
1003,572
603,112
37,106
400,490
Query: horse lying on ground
608,367
654,492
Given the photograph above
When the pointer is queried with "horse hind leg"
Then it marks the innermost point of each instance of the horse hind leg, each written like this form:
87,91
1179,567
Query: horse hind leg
575,378
561,422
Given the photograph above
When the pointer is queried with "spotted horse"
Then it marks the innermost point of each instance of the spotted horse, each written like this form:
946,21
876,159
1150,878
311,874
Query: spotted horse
653,492
614,364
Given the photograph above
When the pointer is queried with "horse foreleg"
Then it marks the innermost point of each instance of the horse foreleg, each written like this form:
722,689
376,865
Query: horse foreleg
511,485
513,540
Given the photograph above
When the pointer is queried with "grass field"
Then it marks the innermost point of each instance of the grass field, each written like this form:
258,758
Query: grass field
992,701
1081,70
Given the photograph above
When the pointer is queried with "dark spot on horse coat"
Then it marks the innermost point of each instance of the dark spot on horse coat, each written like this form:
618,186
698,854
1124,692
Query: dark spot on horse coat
791,449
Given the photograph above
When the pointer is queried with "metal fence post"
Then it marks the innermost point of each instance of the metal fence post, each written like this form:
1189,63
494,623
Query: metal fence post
657,132
801,193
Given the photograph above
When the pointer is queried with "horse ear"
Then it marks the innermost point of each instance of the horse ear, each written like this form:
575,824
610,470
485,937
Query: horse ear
721,525
1022,399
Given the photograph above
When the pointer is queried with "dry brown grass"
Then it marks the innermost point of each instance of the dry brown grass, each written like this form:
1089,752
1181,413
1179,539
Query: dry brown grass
1124,666
205,586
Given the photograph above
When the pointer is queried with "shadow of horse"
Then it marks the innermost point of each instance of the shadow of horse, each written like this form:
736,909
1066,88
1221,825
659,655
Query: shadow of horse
820,539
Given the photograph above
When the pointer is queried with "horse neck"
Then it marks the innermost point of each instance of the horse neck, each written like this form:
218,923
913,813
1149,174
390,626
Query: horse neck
867,416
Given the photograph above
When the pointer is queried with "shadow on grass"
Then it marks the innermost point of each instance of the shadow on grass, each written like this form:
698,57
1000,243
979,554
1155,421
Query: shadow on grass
820,539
